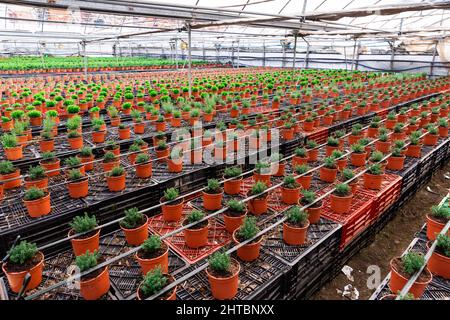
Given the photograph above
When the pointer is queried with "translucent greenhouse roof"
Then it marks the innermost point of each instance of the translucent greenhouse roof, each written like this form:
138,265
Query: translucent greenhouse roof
41,20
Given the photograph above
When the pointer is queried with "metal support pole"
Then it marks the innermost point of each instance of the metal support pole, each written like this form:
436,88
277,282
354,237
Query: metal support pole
232,54
295,52
391,64
188,26
357,56
204,52
237,66
264,54
176,53
354,56
434,59
85,58
283,61
307,56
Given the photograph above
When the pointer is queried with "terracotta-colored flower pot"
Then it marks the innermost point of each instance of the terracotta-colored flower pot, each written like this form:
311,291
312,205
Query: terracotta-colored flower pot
233,222
14,153
196,238
290,196
150,264
439,264
232,187
258,206
108,166
171,212
358,159
38,208
136,236
15,279
434,227
305,181
262,177
124,134
79,189
329,150
397,282
161,155
76,143
224,288
341,205
372,181
383,146
175,166
51,166
95,288
85,242
41,183
298,161
314,213
396,163
98,136
212,201
430,139
327,175
414,151
313,155
116,184
144,170
248,252
293,235
47,145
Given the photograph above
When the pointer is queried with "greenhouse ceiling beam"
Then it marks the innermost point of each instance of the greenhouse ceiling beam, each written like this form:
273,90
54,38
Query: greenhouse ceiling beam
168,11
378,10
356,33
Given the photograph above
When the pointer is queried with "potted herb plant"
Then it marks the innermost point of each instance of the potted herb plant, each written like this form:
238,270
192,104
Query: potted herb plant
290,190
196,236
439,263
173,209
36,178
258,204
373,177
143,165
78,184
116,179
329,170
152,253
314,208
341,199
437,218
212,195
95,284
86,237
247,231
234,216
233,181
154,281
295,227
37,202
135,226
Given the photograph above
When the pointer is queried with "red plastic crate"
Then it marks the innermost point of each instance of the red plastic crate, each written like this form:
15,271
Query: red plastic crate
274,200
384,198
319,135
217,237
354,222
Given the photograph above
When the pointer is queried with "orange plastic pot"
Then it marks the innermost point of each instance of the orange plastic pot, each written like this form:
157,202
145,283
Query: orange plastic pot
308,126
248,252
314,214
98,136
174,166
76,143
439,264
341,205
162,155
47,145
108,166
160,126
78,189
15,279
232,187
383,146
115,122
434,228
50,166
290,196
287,134
14,153
313,155
430,139
232,223
298,161
372,181
329,150
278,169
38,208
294,236
396,163
327,175
144,170
171,212
342,164
414,151
352,139
262,177
224,288
443,132
358,159
136,236
124,133
258,206
139,128
150,264
397,282
87,161
212,201
171,297
196,238
41,184
305,181
95,288
116,184
80,246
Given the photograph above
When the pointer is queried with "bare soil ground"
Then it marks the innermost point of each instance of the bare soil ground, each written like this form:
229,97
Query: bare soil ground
390,242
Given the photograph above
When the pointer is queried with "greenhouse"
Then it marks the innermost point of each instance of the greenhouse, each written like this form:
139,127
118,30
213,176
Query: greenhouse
224,150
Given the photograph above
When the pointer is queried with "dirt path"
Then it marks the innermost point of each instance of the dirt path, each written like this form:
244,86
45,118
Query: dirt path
390,242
